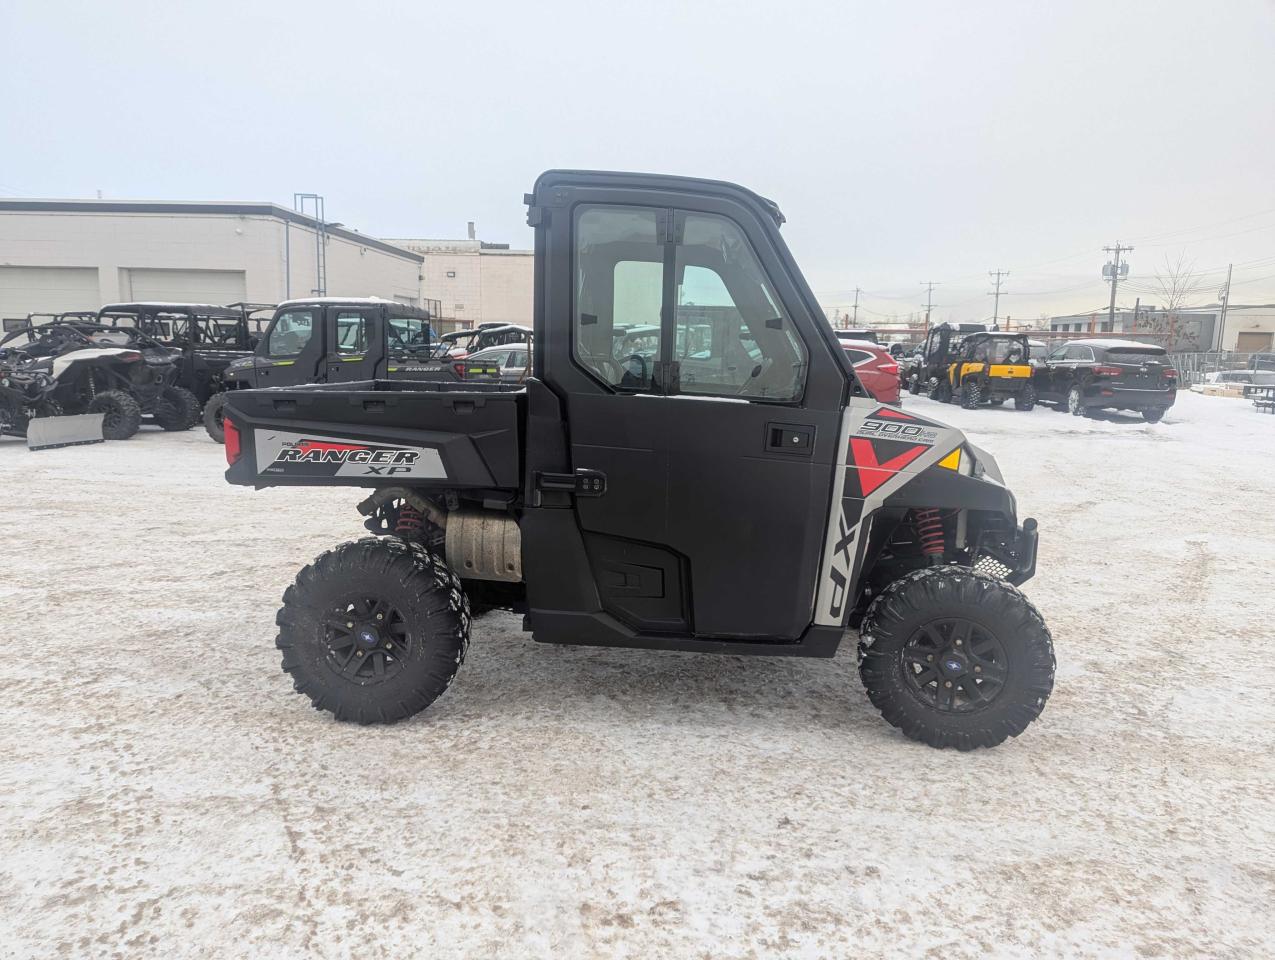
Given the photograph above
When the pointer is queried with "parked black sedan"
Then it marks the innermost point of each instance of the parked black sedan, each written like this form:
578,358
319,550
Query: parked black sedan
1085,375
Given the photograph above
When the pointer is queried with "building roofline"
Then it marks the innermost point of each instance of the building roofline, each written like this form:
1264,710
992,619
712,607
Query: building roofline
203,207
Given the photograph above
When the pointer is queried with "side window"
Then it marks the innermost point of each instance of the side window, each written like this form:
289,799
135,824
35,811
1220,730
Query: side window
619,285
351,333
732,336
291,333
1059,354
517,359
406,334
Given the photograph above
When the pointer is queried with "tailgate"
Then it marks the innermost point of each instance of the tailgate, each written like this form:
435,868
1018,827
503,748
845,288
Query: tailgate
375,433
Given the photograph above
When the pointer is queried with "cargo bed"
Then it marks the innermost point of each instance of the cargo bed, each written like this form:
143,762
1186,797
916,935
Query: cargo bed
377,432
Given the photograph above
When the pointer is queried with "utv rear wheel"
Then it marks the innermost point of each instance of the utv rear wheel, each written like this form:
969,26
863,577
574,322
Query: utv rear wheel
176,409
914,384
955,658
375,630
940,390
214,414
121,414
971,394
1026,399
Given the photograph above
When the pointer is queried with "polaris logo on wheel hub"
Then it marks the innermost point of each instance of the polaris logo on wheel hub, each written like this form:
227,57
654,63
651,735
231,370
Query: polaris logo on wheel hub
297,455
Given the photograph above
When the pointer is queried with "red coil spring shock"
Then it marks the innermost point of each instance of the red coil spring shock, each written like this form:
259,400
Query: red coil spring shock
410,521
929,530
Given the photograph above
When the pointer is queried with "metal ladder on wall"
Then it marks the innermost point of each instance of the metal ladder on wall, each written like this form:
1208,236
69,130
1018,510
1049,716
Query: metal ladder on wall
314,203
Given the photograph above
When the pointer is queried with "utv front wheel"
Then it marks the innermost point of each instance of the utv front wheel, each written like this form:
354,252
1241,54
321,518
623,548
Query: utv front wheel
955,658
121,415
374,631
214,416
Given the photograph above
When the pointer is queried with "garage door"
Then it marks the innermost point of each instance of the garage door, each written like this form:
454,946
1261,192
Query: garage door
185,286
1253,342
26,290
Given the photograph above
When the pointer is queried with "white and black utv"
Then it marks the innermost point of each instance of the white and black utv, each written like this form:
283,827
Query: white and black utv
94,368
729,487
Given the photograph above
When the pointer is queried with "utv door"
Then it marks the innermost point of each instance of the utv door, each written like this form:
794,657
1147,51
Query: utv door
292,349
715,424
355,338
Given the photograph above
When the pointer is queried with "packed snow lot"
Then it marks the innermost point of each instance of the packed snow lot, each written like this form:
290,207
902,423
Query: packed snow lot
166,794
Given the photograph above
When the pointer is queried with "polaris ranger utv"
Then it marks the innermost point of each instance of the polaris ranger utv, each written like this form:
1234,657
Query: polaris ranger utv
762,509
331,340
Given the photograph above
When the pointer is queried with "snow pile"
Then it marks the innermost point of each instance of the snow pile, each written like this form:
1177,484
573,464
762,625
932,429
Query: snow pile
168,795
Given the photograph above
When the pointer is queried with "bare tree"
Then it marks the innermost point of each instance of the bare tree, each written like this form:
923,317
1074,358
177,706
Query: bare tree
1177,282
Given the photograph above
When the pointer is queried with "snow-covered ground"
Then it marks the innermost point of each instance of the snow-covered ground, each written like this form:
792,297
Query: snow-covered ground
166,794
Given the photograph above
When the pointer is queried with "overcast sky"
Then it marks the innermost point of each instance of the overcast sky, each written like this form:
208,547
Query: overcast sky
903,141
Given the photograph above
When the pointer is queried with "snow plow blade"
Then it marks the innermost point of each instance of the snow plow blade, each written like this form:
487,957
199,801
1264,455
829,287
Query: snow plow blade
45,433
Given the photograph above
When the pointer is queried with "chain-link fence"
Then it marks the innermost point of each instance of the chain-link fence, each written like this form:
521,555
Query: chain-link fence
1224,366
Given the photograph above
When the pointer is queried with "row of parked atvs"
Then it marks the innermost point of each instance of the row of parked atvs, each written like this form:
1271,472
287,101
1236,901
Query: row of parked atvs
82,377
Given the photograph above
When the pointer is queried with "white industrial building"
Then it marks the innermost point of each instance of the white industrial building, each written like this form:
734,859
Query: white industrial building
474,281
61,255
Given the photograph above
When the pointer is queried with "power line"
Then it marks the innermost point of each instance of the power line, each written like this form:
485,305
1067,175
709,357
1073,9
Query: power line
996,304
1113,273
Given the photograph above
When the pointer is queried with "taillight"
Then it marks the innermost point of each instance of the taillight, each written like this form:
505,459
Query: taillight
233,449
890,368
460,370
1170,373
1107,371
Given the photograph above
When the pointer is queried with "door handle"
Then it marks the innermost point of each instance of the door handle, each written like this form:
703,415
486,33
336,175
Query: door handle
797,439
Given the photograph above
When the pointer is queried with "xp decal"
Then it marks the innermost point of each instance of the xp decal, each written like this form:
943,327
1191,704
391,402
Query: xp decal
299,455
881,450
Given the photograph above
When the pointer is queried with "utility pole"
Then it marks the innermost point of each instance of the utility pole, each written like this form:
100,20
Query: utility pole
996,305
1114,273
1226,302
929,300
857,291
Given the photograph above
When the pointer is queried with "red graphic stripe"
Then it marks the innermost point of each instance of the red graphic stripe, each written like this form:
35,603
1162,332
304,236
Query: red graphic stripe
873,473
893,415
306,446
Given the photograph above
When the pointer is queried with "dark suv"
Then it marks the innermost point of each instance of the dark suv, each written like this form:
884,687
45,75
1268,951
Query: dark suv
1086,375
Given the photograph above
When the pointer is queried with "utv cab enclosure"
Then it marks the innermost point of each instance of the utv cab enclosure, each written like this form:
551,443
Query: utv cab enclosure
763,505
331,340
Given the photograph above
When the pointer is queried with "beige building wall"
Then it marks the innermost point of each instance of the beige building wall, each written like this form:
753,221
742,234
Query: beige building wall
238,256
475,284
1250,329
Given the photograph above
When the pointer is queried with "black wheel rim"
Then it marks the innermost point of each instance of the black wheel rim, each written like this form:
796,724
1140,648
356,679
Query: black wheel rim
954,665
367,640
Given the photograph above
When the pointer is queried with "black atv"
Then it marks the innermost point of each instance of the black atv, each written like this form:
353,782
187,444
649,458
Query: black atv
116,371
208,337
24,393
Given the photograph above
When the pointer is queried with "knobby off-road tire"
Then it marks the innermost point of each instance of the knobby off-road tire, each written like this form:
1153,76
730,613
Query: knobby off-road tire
374,631
940,390
914,385
1026,399
973,693
214,413
971,394
122,416
176,409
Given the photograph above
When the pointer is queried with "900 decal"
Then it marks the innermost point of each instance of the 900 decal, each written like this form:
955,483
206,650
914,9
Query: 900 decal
897,431
297,455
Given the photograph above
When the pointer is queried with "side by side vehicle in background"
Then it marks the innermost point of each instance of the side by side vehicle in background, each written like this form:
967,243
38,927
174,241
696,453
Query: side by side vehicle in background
119,372
209,338
1085,375
333,340
508,364
461,343
765,506
975,365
